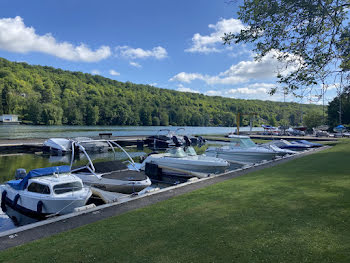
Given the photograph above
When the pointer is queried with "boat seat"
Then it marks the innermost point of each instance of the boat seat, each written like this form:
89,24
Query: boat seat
15,184
126,175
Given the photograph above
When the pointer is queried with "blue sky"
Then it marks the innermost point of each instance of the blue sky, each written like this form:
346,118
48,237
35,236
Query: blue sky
167,44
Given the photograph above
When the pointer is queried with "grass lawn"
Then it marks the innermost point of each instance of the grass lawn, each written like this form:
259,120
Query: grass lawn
295,212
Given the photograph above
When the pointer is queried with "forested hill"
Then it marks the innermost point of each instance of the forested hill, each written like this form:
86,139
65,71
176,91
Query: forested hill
45,95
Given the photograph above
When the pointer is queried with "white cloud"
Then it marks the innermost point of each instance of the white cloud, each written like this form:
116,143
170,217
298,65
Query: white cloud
187,90
139,53
16,37
95,72
207,43
247,90
114,73
135,64
334,86
184,89
187,77
245,71
213,93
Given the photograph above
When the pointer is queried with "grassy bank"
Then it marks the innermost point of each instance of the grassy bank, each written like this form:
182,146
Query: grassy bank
295,212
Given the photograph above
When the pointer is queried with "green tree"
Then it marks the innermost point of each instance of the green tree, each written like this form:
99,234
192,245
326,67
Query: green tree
155,121
52,115
34,111
307,34
272,121
145,117
333,110
312,119
92,115
6,99
164,118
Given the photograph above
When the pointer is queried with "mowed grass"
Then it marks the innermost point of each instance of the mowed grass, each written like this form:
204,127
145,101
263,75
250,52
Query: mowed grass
295,212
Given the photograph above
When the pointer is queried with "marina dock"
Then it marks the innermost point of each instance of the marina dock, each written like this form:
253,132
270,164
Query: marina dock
36,145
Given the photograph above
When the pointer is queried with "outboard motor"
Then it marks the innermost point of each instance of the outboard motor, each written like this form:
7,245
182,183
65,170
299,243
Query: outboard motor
201,141
176,141
20,173
187,141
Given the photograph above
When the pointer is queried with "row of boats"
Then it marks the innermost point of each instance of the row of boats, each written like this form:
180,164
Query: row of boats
59,190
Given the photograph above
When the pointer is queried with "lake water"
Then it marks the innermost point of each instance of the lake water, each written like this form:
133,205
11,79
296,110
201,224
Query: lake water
9,163
31,131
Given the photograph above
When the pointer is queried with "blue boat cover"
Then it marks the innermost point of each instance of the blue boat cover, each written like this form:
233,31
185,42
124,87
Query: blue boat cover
22,184
309,143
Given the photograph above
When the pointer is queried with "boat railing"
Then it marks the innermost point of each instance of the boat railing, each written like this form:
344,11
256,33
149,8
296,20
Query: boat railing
90,166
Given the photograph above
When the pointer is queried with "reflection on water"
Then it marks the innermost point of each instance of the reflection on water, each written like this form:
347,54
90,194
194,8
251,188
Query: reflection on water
5,222
17,219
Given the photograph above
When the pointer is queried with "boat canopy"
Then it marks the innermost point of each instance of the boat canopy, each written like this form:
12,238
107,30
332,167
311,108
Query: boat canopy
339,128
22,184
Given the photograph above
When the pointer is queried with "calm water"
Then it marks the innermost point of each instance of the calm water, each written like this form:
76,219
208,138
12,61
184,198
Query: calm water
30,131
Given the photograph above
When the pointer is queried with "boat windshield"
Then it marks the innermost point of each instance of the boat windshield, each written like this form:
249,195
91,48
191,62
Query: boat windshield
177,152
242,142
190,151
286,142
67,187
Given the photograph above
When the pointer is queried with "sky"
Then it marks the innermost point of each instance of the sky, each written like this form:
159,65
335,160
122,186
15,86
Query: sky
167,44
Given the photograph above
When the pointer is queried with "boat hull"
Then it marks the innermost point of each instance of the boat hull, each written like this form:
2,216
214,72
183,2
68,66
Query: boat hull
195,164
114,185
27,203
244,157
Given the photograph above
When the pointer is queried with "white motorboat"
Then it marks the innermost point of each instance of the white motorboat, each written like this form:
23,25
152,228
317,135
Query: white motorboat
242,149
176,159
62,145
59,145
44,191
113,176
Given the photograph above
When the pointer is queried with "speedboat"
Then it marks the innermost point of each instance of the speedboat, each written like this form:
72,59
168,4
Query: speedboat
278,150
113,176
179,160
242,149
162,141
44,191
283,144
172,139
312,144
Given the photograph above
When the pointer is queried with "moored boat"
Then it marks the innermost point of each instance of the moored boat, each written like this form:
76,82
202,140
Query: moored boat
44,191
111,176
176,159
242,149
